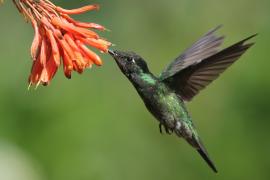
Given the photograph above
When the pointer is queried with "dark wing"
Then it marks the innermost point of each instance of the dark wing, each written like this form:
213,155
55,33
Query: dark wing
205,47
188,82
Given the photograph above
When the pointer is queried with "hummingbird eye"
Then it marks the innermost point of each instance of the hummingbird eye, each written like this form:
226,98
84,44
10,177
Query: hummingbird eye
132,60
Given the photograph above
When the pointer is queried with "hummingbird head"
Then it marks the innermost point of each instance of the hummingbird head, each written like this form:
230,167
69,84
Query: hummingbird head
129,62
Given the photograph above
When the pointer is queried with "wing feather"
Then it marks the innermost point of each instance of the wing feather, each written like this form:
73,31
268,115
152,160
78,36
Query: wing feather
191,80
205,47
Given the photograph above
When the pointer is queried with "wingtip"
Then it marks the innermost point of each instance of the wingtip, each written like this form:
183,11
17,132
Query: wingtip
250,37
256,34
214,29
219,26
243,43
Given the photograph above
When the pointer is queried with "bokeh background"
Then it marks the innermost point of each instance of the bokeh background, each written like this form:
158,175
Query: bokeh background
95,127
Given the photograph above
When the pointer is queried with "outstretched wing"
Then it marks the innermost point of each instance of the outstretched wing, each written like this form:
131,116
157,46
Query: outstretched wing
205,47
188,82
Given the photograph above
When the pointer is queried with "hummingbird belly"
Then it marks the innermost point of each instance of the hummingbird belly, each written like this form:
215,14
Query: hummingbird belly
167,108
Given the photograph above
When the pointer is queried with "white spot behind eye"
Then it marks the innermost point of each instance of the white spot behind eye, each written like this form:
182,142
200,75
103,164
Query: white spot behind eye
133,61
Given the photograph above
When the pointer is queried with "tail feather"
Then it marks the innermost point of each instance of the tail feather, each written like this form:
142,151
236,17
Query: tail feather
205,156
202,151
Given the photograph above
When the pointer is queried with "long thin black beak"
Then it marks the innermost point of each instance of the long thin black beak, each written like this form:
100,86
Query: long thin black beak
112,53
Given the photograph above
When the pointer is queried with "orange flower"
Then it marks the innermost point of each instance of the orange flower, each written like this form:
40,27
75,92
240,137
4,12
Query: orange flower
59,39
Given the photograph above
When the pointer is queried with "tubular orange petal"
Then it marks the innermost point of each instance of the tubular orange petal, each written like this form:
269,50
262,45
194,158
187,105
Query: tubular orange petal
71,42
37,67
44,77
93,56
71,28
94,43
67,48
86,32
83,24
89,62
54,46
46,22
104,42
35,47
49,72
78,10
78,56
90,25
68,65
43,52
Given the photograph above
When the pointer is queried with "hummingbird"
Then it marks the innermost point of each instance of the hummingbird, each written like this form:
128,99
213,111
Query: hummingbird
165,95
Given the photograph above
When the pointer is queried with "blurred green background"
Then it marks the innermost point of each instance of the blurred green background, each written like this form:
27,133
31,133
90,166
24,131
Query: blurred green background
95,127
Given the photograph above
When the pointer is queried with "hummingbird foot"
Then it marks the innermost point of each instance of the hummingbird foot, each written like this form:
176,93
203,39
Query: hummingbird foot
168,131
160,128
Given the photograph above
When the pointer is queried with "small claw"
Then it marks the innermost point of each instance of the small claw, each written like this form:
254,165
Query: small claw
168,131
160,128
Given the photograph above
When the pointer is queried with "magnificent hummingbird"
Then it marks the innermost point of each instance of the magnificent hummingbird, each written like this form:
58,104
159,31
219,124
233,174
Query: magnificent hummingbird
165,95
